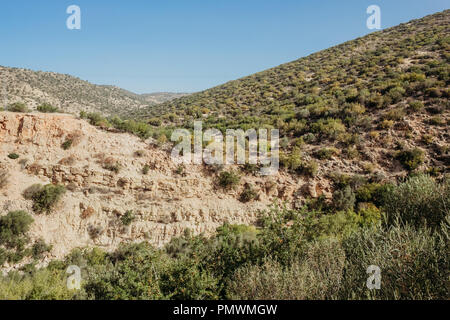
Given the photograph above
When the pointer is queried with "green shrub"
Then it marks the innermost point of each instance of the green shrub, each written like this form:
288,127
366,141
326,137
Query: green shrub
396,114
419,201
411,159
47,108
67,144
331,128
315,275
4,178
310,168
145,169
344,199
44,197
128,218
396,94
41,285
130,273
13,156
18,107
39,248
184,280
413,263
13,228
155,122
228,180
326,153
416,105
437,121
291,161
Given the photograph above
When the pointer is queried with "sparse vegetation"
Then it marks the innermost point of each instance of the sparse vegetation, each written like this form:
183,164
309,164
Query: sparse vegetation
127,218
44,197
228,180
67,144
411,159
18,107
248,194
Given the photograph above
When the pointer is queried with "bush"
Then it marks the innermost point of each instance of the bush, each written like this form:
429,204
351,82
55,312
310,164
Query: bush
420,201
39,248
109,163
4,178
130,273
331,128
13,156
145,169
344,199
42,285
249,194
18,107
386,124
411,159
47,108
310,168
315,275
44,197
413,263
67,144
13,227
396,94
326,153
292,161
128,218
228,180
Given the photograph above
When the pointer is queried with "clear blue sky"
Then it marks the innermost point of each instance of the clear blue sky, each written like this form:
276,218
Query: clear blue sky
183,45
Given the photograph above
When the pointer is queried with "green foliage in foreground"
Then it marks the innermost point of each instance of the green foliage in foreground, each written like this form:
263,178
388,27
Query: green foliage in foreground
291,254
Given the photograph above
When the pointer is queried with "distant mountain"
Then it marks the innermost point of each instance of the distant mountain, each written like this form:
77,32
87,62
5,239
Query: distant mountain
160,97
72,94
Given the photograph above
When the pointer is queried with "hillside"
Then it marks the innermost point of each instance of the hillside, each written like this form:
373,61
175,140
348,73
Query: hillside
72,94
361,102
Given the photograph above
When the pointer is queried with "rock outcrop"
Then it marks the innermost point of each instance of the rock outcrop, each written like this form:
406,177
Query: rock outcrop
164,203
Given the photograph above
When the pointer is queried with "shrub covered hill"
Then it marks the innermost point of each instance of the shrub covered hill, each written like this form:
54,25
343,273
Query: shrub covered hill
386,90
71,94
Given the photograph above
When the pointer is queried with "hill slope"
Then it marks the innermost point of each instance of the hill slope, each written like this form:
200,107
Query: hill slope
72,94
363,103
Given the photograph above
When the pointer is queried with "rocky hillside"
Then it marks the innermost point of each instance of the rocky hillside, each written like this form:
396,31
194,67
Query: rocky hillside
71,94
364,103
107,174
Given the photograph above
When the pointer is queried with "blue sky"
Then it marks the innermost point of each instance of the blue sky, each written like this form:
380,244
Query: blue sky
183,45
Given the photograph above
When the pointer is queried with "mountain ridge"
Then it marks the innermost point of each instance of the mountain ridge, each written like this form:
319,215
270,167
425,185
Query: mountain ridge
72,94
